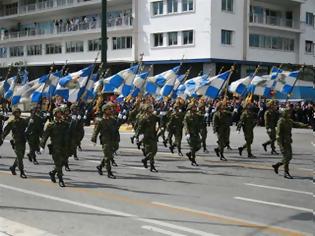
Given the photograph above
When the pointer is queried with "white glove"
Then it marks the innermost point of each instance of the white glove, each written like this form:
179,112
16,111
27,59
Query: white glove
42,150
154,113
180,110
268,130
79,117
73,117
187,136
124,111
206,115
84,117
162,113
120,116
124,117
31,121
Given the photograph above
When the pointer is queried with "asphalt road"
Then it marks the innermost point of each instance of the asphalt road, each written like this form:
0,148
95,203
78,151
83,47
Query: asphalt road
239,197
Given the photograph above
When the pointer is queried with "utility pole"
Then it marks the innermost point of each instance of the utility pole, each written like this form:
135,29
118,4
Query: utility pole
104,32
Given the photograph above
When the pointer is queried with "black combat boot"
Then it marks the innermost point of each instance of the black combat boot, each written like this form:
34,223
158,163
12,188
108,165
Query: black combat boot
240,150
145,163
180,152
22,174
132,139
61,183
228,147
205,150
216,150
52,176
139,145
12,168
152,168
35,161
193,161
287,175
222,158
143,152
67,168
189,155
75,157
110,174
265,146
114,163
165,143
250,155
29,157
276,167
99,169
171,147
274,152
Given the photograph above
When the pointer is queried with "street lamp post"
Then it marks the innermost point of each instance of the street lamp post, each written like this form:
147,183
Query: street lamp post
104,32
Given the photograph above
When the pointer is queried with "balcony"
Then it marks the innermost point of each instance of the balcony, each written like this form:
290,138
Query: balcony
279,23
65,28
40,6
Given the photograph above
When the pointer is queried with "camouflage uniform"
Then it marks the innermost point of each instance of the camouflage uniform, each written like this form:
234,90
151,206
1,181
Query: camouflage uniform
147,127
271,118
203,121
248,123
192,130
58,132
284,140
17,126
108,131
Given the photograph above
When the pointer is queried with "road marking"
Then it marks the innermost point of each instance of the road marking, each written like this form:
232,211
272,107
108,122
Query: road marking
277,188
108,211
234,221
307,169
8,227
274,204
162,231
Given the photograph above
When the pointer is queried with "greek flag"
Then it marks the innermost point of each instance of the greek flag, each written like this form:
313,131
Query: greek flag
261,85
285,81
240,86
16,83
180,92
72,86
34,90
155,83
214,86
138,83
192,85
6,84
124,77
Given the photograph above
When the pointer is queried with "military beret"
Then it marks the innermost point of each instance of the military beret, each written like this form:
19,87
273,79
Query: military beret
190,105
58,109
74,107
16,110
107,106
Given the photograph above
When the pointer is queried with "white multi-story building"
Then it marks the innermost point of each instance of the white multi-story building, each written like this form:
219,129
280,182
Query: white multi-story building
206,33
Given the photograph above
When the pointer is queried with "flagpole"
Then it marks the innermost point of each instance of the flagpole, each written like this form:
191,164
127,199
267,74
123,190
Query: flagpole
252,77
290,93
226,84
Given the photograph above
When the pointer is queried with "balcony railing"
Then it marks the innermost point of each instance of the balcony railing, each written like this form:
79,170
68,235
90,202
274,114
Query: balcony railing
58,29
274,21
40,6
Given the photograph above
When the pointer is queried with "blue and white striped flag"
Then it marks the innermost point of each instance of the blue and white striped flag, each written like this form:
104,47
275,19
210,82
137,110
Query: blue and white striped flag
261,85
180,92
214,86
178,82
16,84
5,85
285,81
72,86
138,83
155,83
192,85
124,77
33,91
240,86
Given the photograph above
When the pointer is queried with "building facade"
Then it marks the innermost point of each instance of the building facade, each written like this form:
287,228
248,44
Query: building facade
207,34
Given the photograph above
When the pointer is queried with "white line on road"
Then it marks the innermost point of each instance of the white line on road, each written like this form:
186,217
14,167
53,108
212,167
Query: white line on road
108,211
8,227
306,169
274,204
277,188
162,231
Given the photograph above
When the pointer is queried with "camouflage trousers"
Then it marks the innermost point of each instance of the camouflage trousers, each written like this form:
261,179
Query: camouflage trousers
108,155
272,138
20,152
150,149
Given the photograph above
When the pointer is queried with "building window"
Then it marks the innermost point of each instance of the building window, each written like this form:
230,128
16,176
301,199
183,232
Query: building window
33,50
74,46
172,6
309,18
226,37
17,51
309,48
157,8
95,45
271,42
227,5
172,38
53,48
188,5
188,37
122,42
3,52
158,40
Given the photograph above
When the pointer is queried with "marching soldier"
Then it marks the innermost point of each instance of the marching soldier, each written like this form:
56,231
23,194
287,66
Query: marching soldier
221,126
248,123
147,127
17,126
271,118
57,131
71,149
192,132
3,118
284,140
175,127
106,128
33,133
203,121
